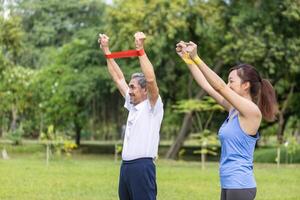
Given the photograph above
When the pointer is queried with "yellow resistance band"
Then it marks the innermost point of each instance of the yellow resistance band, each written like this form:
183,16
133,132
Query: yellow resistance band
197,60
186,58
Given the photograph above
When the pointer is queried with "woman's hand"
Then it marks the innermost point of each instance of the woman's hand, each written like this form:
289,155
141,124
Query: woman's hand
180,48
191,49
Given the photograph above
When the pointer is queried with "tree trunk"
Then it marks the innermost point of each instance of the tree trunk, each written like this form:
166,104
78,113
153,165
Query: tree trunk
2,127
14,113
297,132
281,126
41,123
185,127
282,122
184,131
78,135
203,160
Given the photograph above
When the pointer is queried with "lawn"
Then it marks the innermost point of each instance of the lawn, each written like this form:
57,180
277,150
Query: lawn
26,177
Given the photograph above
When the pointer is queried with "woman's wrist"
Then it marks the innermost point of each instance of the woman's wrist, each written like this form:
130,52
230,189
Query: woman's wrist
197,59
186,58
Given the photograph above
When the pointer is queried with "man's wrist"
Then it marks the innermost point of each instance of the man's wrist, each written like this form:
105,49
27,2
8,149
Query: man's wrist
139,47
140,52
106,51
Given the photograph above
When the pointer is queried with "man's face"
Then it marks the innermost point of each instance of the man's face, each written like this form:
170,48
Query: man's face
136,93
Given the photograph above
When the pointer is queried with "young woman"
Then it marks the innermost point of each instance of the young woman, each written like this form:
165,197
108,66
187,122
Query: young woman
248,98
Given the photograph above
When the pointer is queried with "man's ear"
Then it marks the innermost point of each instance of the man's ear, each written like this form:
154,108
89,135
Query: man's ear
145,90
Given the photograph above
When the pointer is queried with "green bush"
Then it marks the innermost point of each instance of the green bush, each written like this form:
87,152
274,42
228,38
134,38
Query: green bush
23,148
16,136
268,155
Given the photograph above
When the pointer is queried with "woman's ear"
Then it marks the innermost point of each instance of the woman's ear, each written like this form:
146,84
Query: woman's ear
246,85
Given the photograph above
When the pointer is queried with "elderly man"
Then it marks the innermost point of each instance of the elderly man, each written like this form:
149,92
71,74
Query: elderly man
137,174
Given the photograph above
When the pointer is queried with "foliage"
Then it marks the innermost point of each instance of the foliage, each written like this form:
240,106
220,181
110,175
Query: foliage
118,150
203,109
207,139
180,19
11,38
269,155
16,136
204,105
69,147
171,124
56,142
209,144
292,147
59,75
16,88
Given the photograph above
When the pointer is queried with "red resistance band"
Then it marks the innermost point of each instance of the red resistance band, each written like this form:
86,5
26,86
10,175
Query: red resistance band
126,54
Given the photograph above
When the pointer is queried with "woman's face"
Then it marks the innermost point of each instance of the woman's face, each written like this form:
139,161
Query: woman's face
235,82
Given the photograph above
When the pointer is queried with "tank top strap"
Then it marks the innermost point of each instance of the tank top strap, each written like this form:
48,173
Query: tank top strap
232,114
232,111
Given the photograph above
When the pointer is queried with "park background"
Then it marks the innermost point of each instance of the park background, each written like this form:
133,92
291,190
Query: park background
62,118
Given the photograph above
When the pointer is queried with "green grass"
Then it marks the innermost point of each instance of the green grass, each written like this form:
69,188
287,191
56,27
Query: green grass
26,177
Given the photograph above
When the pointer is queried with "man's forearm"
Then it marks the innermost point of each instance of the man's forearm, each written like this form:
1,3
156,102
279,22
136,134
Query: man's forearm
117,76
148,71
147,68
114,69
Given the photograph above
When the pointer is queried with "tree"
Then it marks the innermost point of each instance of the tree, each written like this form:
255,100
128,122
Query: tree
71,88
61,39
14,88
203,111
53,23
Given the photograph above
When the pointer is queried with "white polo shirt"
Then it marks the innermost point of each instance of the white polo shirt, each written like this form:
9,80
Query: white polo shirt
142,129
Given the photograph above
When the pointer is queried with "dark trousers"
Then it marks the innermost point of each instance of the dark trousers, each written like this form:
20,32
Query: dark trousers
238,194
138,180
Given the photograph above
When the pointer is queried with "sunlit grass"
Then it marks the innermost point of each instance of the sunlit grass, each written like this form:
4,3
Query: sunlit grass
26,177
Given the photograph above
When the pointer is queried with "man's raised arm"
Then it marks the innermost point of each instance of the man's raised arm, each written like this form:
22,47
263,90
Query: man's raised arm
113,68
147,68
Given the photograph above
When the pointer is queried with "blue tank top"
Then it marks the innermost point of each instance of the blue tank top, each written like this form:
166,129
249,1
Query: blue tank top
237,148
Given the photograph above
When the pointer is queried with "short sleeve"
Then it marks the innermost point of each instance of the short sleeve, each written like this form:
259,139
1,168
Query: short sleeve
127,103
158,107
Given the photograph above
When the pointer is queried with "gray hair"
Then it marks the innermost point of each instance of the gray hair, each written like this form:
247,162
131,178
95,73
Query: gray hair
140,78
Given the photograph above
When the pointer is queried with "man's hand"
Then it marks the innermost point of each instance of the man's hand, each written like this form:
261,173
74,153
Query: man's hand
139,40
104,43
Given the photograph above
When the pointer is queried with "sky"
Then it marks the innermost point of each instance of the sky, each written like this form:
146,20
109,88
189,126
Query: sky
108,1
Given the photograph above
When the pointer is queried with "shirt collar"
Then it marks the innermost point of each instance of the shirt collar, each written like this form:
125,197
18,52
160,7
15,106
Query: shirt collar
140,105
